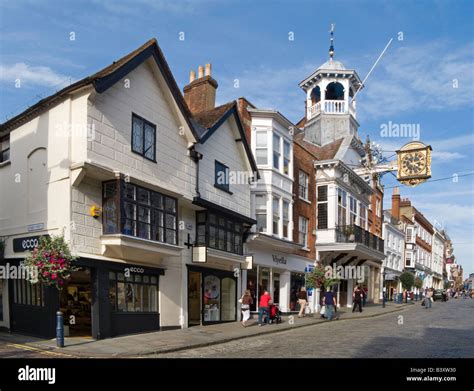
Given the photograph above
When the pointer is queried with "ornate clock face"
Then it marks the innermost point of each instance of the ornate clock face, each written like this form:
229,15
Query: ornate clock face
413,163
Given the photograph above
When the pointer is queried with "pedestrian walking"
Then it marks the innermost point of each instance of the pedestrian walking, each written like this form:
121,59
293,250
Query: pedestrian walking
263,307
302,300
357,297
246,301
329,301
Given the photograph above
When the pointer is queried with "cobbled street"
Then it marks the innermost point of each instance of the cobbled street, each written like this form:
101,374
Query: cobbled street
444,331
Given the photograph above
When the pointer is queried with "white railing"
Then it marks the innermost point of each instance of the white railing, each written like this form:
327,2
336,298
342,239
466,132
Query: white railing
334,106
314,110
331,107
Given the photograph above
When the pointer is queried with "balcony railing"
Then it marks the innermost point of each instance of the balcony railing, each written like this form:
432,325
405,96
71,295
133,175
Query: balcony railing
331,107
355,234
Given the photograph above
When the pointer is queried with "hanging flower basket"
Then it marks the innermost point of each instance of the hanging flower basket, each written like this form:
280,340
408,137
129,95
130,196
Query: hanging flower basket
52,262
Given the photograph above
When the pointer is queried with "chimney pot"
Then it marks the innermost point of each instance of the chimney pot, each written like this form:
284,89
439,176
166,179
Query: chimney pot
192,76
208,69
200,71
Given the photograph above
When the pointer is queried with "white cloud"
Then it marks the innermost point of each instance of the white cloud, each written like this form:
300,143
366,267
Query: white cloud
33,76
418,78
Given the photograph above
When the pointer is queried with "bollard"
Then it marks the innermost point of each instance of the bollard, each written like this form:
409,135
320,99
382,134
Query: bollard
59,329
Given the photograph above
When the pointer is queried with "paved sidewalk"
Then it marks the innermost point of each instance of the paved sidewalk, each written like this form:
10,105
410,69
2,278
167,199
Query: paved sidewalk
141,345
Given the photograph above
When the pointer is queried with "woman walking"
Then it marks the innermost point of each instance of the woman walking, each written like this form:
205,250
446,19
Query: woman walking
302,300
246,301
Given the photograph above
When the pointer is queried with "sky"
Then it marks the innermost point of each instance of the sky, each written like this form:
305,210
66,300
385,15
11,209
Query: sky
262,50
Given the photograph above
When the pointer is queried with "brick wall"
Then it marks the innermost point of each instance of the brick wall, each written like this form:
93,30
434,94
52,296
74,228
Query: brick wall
303,160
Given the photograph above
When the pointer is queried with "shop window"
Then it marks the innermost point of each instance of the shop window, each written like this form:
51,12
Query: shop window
297,281
276,288
139,212
252,284
143,137
136,293
218,232
25,293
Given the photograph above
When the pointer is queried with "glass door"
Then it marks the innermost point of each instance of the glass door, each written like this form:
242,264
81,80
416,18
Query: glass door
229,299
211,298
194,298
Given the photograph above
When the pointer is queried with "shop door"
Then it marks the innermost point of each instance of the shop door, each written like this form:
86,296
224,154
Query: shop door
76,303
219,297
194,298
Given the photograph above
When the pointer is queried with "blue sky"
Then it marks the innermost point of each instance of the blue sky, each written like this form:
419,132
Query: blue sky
249,41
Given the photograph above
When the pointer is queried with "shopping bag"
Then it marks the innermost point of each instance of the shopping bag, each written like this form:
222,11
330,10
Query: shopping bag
323,310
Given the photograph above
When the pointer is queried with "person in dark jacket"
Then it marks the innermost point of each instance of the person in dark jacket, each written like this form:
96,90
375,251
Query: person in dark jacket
357,297
330,302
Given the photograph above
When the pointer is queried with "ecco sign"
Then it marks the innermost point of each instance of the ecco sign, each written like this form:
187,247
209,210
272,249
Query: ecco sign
25,244
134,270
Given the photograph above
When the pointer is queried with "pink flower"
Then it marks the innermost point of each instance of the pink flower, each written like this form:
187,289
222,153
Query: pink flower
53,276
61,282
46,274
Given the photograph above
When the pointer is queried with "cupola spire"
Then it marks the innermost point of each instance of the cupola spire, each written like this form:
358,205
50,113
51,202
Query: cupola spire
331,47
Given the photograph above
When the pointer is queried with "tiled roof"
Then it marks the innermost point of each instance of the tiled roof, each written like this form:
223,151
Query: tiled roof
326,152
208,119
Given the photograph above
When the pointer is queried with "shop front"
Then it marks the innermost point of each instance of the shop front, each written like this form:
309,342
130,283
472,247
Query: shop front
100,300
282,275
212,296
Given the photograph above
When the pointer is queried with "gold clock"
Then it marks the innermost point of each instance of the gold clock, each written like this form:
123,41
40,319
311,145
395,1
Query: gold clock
414,163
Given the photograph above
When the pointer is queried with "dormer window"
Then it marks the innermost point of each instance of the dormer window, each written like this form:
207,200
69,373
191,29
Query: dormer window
5,148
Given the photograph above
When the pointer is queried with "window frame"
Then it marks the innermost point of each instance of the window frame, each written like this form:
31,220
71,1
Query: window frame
286,159
276,214
286,222
5,151
305,187
322,223
301,234
226,186
119,200
276,151
259,211
152,125
259,148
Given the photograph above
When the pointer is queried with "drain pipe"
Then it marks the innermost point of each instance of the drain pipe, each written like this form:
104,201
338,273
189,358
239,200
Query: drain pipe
196,156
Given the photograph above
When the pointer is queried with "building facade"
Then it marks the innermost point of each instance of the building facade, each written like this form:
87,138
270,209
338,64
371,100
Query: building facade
394,262
123,141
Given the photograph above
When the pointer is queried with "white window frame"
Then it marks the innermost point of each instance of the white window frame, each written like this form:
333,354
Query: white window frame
259,148
303,223
276,215
278,151
304,186
262,211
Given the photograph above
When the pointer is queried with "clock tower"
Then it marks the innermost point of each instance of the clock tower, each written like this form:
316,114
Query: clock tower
330,101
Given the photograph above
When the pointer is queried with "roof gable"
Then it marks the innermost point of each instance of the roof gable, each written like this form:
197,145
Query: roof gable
106,78
211,120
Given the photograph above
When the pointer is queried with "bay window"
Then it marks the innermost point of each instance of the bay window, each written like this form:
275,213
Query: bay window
341,207
286,218
286,157
322,202
363,216
136,211
219,232
261,153
276,152
276,216
352,210
261,212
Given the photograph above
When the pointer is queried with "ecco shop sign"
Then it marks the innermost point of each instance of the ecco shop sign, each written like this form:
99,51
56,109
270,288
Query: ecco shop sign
129,270
25,244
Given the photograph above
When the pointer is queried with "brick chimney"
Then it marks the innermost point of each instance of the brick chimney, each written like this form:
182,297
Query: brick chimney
200,93
396,203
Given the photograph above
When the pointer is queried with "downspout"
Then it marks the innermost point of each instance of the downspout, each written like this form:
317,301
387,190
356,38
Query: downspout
196,156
